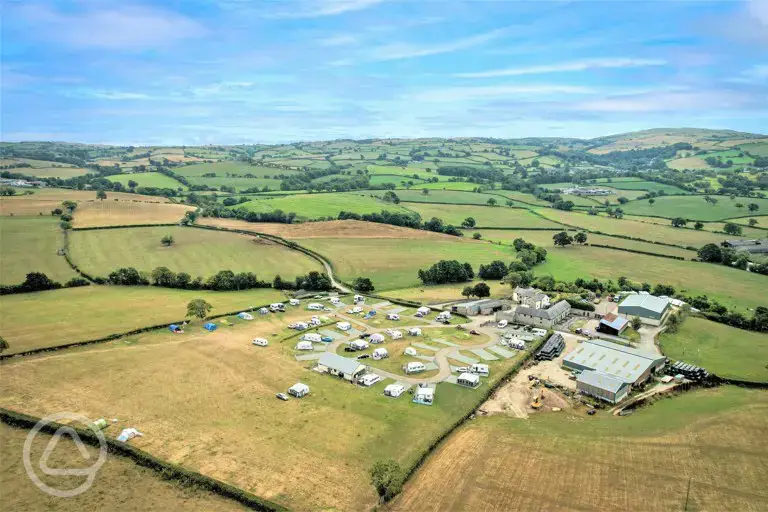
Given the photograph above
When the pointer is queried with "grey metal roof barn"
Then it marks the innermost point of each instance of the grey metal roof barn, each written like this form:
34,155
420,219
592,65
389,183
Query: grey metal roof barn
751,246
339,363
644,305
552,312
625,363
601,380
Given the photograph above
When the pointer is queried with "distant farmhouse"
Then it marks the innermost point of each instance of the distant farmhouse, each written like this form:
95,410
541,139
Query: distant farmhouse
757,246
545,318
578,191
480,307
652,310
531,297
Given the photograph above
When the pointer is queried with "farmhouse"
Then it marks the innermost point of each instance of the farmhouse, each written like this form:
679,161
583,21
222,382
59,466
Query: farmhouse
531,297
469,380
612,324
546,318
629,365
652,310
338,366
480,307
756,246
602,386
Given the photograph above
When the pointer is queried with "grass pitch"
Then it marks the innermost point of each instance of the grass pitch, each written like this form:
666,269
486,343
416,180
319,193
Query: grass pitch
673,455
30,244
198,252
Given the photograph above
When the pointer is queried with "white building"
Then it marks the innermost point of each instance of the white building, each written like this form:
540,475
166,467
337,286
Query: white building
334,364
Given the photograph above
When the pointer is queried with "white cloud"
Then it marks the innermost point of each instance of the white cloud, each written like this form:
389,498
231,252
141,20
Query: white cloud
111,28
576,65
398,51
337,40
108,95
453,94
667,102
319,8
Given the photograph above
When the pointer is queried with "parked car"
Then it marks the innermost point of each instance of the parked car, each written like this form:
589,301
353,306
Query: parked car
596,301
363,356
326,339
474,332
282,396
578,330
349,349
463,369
365,335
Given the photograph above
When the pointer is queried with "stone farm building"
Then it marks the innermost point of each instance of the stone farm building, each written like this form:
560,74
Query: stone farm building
544,318
480,307
652,310
531,297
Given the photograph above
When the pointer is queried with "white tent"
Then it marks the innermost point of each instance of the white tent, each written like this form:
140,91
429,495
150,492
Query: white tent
312,337
376,338
304,345
298,390
410,351
380,353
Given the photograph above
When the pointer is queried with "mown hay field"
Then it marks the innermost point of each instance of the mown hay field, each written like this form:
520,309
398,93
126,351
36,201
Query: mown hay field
627,227
723,350
148,179
650,186
47,319
30,244
438,294
207,401
695,208
222,169
698,451
450,196
198,252
127,213
313,206
714,227
394,264
239,184
42,201
485,216
730,286
118,482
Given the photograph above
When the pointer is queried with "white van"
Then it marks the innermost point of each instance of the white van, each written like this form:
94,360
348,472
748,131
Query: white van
294,302
277,306
393,316
314,306
502,324
480,369
369,379
414,367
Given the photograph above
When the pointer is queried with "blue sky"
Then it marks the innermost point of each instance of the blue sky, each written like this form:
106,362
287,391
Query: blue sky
239,71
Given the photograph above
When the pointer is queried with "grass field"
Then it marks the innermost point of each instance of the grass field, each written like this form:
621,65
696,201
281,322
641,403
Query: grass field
394,264
690,162
455,196
43,200
313,206
222,169
206,401
650,186
148,179
485,216
628,227
673,455
439,294
694,207
721,349
756,148
398,181
466,186
54,172
47,319
198,252
730,286
146,489
30,245
125,213
237,183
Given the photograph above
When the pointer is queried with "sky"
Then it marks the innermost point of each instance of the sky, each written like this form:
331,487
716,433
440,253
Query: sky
260,71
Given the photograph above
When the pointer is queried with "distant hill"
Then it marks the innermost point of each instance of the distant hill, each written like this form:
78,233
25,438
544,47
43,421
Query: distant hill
701,138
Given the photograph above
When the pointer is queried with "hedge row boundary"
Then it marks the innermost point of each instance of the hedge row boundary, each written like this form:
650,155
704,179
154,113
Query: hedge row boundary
116,336
647,253
122,226
164,470
435,444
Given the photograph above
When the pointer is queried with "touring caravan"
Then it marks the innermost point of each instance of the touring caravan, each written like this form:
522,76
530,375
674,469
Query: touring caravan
414,367
394,390
359,299
480,369
414,331
304,345
335,301
343,326
393,316
369,379
314,306
376,338
312,337
276,307
395,335
359,344
380,353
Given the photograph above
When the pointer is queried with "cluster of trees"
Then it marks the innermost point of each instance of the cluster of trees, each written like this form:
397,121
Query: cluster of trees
713,253
362,285
38,281
313,281
480,290
563,238
447,271
278,216
408,220
224,280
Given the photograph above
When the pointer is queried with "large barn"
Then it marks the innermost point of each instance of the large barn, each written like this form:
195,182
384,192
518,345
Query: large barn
652,310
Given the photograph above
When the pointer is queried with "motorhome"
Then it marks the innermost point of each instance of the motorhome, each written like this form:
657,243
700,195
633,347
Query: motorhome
480,369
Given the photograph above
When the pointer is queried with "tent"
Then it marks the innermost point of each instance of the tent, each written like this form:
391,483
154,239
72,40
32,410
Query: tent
210,326
298,390
175,328
376,338
245,316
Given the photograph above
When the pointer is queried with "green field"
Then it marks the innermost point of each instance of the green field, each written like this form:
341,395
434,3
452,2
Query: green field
650,186
239,184
394,263
398,181
720,349
198,252
695,208
485,216
225,169
701,450
30,244
467,186
47,319
147,179
441,293
446,196
313,206
757,148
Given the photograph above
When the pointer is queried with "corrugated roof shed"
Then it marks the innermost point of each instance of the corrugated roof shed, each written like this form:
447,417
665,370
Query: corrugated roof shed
625,363
550,313
600,380
649,302
614,322
339,363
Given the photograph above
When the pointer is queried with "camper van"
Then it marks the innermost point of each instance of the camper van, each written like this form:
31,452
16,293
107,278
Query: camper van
393,316
502,324
369,379
314,306
480,369
359,299
343,326
277,306
414,367
380,353
294,302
